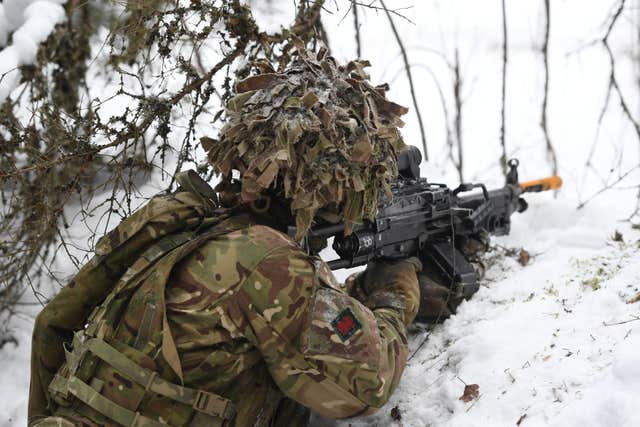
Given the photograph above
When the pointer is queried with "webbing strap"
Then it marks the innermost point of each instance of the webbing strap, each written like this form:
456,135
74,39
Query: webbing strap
144,331
191,181
208,403
152,254
106,407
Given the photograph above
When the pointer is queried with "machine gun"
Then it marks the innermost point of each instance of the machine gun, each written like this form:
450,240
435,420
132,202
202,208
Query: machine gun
432,222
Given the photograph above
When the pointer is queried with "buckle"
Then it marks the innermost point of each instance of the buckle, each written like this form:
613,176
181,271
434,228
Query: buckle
214,405
75,352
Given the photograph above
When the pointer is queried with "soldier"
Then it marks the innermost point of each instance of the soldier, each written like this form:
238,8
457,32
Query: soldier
235,324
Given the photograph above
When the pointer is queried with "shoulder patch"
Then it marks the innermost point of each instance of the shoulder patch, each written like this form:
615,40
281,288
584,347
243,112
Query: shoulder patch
346,324
340,327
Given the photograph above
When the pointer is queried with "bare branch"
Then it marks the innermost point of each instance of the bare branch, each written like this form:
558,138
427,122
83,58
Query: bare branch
633,319
609,186
59,157
543,116
612,77
503,157
356,25
457,96
407,68
613,88
397,12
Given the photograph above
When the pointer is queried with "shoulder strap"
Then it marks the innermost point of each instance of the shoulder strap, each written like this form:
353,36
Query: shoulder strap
191,181
158,261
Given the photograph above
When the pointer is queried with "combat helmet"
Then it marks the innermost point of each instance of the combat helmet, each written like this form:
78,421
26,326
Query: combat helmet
317,131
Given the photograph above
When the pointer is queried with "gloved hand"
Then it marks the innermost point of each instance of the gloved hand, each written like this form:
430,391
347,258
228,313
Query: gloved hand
438,300
389,284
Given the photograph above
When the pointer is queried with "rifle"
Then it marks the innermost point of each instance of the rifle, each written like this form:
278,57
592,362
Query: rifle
431,221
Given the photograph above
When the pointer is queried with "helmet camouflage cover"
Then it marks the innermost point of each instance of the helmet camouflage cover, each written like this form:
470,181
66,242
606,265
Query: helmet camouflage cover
318,131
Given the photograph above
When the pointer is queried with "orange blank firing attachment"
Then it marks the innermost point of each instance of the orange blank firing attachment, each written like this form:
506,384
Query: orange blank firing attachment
544,184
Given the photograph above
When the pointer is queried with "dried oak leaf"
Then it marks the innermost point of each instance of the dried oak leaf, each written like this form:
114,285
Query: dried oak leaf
635,299
524,257
617,237
395,414
261,81
471,392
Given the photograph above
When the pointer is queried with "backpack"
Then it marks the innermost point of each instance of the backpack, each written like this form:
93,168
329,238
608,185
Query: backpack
73,337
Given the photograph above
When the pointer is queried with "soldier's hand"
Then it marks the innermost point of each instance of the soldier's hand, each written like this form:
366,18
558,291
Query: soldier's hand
437,301
389,284
381,274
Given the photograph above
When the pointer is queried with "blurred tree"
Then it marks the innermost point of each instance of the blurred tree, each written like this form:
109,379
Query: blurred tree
61,143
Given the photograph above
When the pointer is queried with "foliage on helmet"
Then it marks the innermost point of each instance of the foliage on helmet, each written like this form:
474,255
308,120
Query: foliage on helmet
318,131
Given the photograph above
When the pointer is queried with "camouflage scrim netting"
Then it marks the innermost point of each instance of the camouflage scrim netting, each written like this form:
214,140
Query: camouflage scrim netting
317,130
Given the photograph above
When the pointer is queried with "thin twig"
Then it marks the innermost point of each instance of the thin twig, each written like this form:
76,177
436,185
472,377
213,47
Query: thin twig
356,24
396,12
503,157
411,87
137,130
543,117
609,186
457,87
613,79
613,87
635,318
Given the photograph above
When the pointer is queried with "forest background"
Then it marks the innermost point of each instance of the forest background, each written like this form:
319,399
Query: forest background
102,102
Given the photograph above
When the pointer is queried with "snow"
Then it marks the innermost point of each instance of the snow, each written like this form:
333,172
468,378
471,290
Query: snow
553,342
26,23
545,340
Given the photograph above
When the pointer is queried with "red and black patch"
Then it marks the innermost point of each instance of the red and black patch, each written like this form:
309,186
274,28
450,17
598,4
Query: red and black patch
346,324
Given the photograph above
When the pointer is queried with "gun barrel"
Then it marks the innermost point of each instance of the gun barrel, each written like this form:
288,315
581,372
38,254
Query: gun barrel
543,184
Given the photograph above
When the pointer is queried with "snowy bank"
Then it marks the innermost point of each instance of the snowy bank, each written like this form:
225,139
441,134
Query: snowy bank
550,343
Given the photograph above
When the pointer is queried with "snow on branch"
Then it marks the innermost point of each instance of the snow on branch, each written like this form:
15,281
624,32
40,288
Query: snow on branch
24,24
120,90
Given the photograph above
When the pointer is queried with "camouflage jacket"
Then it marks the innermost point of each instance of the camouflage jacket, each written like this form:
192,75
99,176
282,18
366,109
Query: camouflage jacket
256,320
253,314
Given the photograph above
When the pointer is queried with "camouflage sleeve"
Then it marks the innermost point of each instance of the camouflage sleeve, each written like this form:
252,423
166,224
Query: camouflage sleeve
323,347
390,286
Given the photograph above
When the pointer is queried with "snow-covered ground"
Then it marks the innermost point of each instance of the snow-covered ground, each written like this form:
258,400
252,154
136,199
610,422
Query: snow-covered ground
553,342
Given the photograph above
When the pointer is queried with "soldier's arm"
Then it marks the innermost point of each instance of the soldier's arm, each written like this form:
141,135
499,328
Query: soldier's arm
323,348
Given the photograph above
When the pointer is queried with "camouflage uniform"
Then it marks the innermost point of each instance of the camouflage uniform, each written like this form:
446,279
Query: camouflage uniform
253,312
257,321
231,316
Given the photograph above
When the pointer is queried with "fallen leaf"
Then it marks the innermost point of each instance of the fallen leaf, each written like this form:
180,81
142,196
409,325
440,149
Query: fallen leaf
544,359
471,392
617,237
523,257
634,299
395,414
